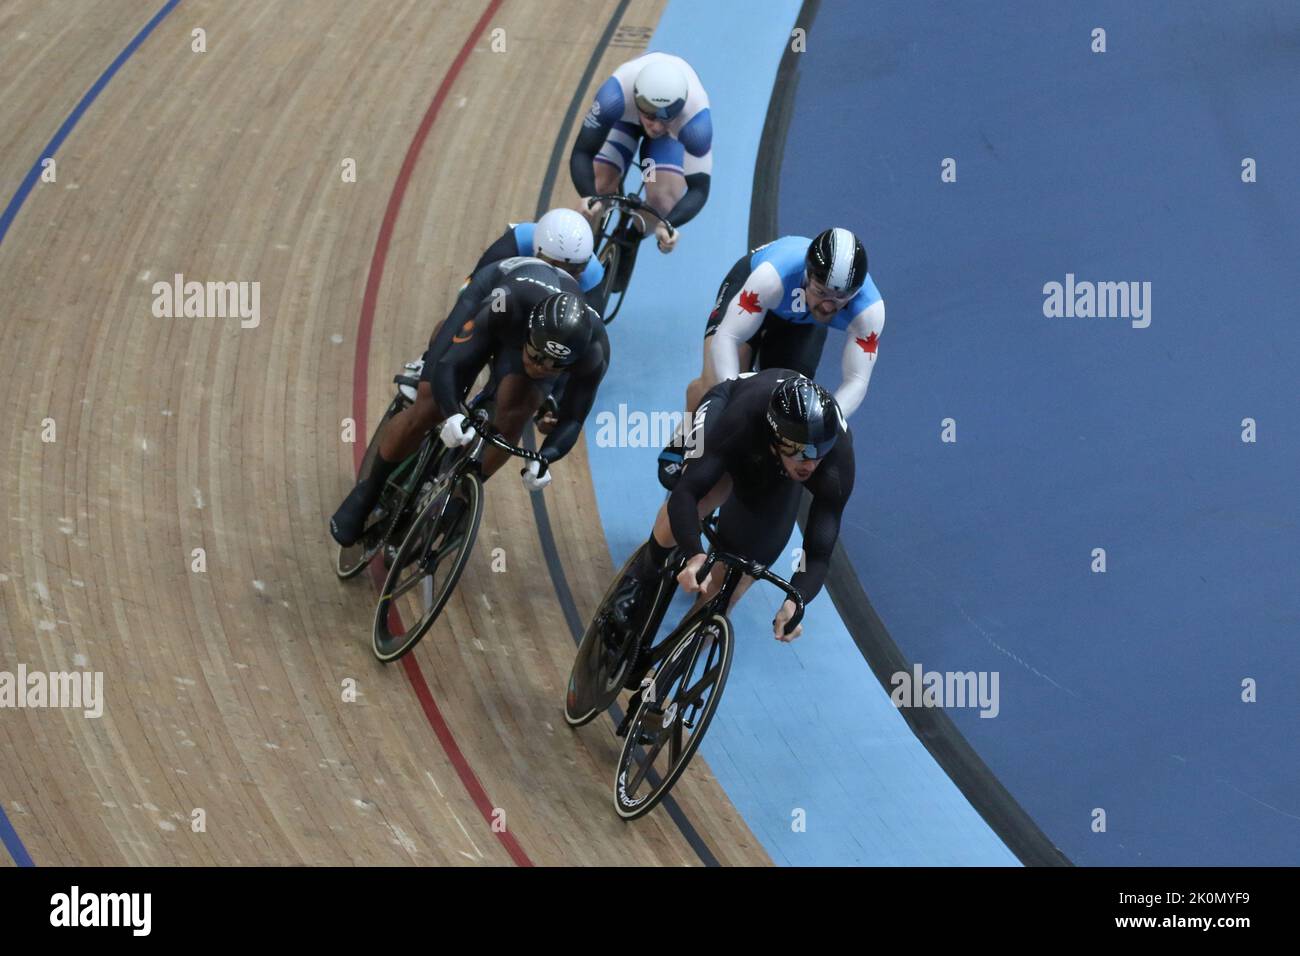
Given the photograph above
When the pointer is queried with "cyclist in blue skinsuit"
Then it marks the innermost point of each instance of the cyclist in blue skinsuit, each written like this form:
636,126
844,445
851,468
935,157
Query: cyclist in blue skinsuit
774,309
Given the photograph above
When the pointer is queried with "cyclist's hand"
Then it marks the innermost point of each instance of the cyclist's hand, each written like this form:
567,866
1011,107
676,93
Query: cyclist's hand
591,209
456,432
531,481
782,619
546,424
667,237
688,574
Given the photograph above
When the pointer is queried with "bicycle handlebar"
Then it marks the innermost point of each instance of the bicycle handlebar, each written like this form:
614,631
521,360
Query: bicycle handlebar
755,570
631,203
480,423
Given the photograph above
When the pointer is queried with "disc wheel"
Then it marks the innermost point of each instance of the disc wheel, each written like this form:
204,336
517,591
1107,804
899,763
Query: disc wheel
601,664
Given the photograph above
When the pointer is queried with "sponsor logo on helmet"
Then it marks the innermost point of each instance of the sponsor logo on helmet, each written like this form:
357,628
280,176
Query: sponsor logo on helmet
558,350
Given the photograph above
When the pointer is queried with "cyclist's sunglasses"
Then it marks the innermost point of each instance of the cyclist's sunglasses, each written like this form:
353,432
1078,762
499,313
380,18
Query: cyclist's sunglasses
809,452
825,293
548,362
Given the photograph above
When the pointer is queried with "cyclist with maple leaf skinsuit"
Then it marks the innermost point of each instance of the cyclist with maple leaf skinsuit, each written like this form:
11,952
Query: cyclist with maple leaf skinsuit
774,309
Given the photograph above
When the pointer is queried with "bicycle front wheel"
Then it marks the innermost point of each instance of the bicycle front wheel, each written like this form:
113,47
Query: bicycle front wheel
672,714
427,566
610,257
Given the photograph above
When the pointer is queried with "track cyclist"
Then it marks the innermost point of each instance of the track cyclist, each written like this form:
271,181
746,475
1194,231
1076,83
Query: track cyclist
774,309
654,105
762,438
530,325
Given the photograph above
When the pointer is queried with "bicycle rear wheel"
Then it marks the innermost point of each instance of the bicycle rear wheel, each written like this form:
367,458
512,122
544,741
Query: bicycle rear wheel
427,566
669,727
352,560
601,664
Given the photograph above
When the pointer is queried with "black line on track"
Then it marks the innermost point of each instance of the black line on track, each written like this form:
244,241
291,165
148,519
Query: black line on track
932,726
540,515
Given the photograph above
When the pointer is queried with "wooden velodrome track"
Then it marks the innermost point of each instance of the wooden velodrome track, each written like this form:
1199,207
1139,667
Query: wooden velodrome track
224,688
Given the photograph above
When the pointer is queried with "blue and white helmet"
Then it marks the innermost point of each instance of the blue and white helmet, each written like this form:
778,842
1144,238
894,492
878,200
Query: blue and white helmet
660,89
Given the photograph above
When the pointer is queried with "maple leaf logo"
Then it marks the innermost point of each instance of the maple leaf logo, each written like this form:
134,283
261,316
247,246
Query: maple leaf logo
868,344
749,302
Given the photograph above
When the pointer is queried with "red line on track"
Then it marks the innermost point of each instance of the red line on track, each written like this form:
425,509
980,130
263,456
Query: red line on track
360,382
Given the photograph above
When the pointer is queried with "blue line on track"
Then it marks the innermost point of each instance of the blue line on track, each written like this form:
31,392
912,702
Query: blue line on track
34,174
8,835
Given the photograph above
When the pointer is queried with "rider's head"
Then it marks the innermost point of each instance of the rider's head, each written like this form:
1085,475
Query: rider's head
559,329
563,238
835,269
805,421
660,92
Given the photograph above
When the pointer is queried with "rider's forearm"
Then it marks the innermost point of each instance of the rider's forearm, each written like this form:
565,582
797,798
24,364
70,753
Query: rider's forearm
820,535
809,581
689,206
684,519
684,503
443,382
581,161
852,390
724,349
561,441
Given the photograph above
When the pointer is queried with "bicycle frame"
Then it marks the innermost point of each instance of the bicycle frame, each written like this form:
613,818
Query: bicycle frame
720,602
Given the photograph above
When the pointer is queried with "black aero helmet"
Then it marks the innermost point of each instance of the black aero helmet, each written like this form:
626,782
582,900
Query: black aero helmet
559,329
803,413
838,260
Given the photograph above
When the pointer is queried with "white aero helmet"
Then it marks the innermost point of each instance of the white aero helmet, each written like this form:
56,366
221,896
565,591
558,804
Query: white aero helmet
563,235
660,89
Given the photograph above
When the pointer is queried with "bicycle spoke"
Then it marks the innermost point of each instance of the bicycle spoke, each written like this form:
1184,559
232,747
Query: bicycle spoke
645,766
692,694
412,581
449,546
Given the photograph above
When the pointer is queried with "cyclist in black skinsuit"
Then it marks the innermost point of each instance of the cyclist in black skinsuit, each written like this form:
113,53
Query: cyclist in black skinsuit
755,443
530,326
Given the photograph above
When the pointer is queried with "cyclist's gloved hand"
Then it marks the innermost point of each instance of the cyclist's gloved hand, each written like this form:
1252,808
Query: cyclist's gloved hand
687,577
782,619
455,432
591,209
667,237
531,481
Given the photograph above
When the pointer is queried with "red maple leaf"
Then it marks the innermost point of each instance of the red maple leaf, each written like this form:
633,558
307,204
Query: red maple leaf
749,302
869,343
